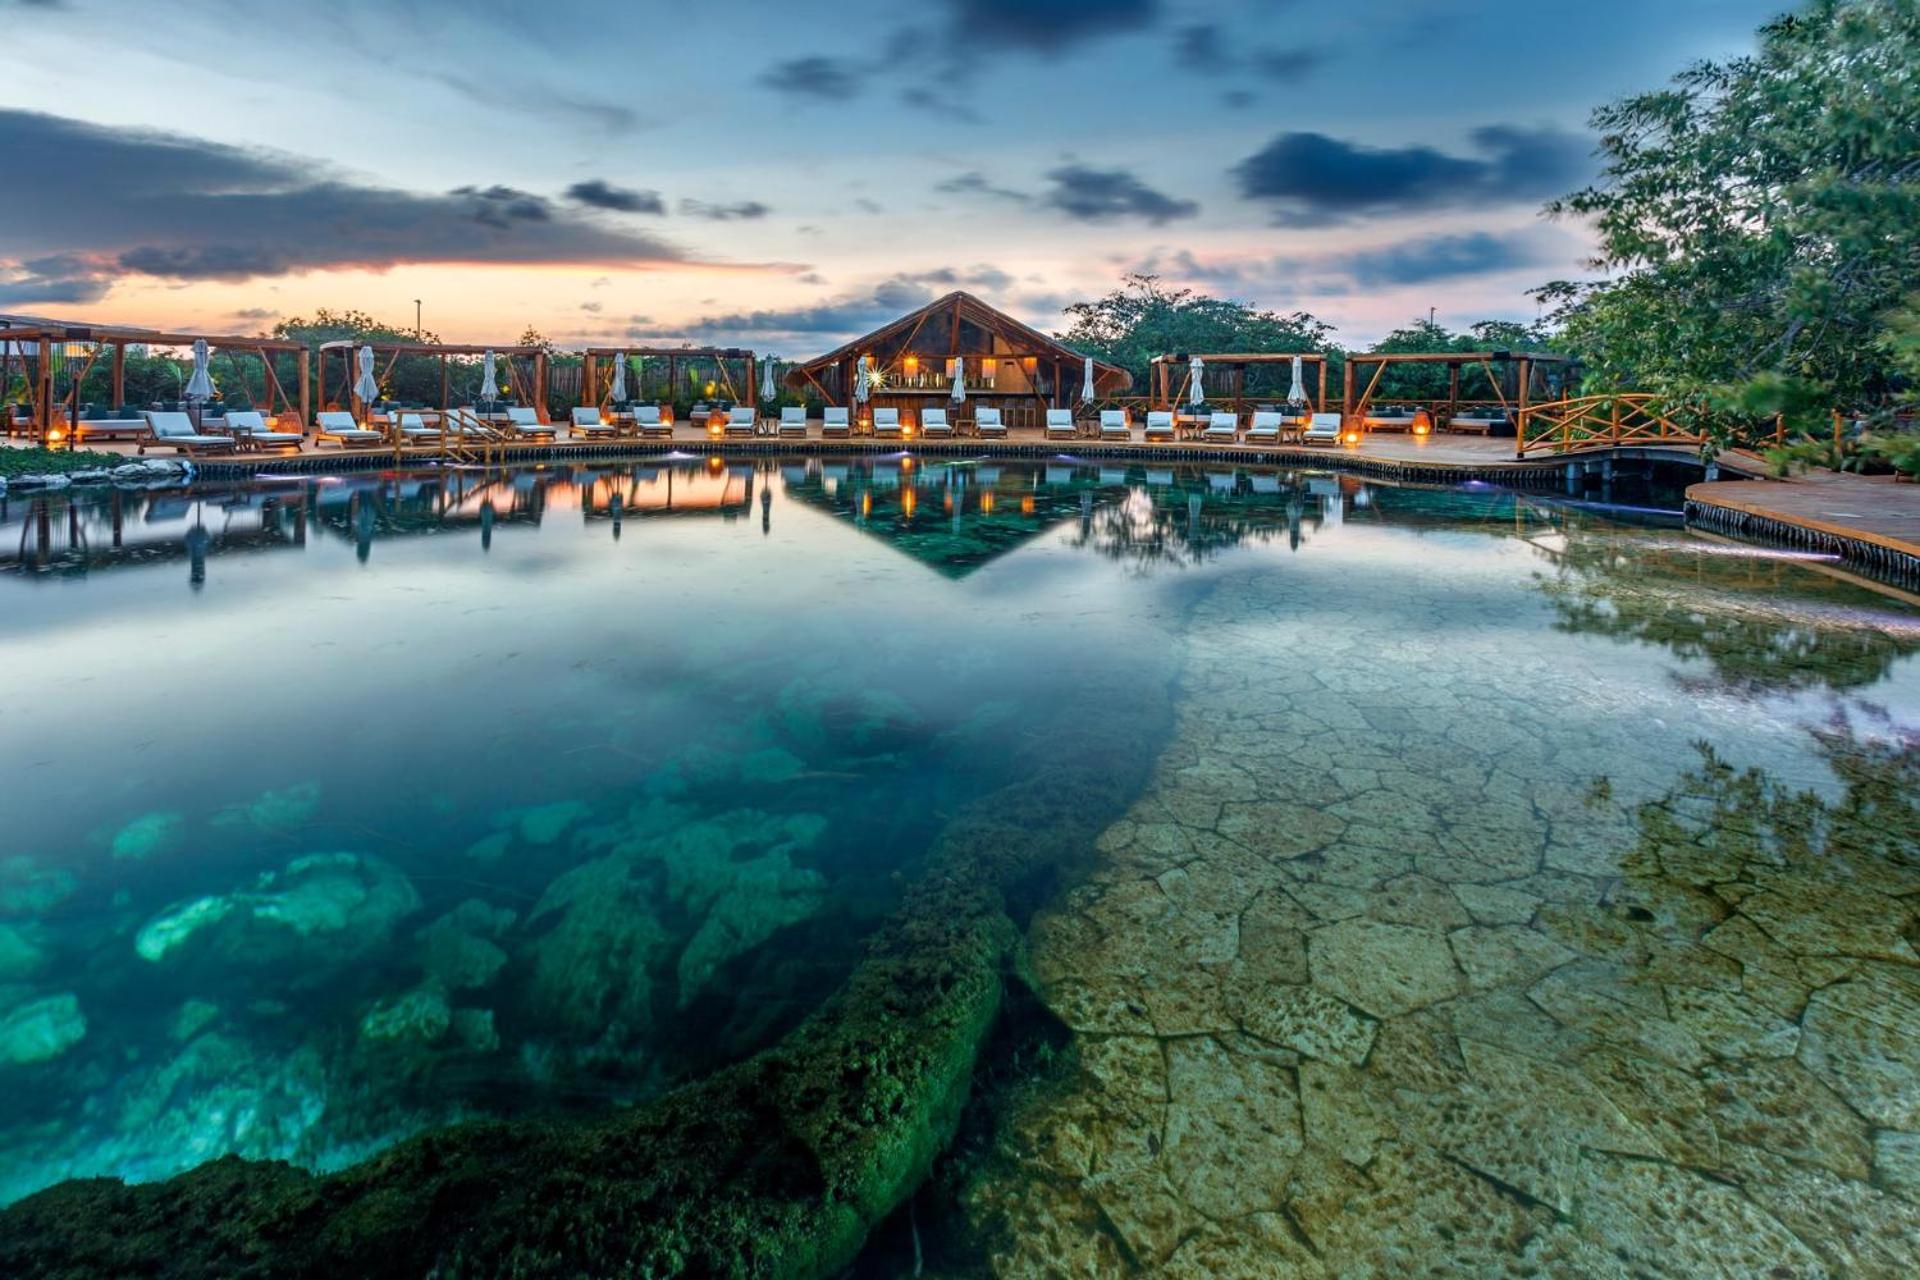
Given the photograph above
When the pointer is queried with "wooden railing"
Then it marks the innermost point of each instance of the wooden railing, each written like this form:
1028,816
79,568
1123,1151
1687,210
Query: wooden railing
1600,422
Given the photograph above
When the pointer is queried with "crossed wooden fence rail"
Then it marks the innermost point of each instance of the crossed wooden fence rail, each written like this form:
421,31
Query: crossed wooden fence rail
1600,422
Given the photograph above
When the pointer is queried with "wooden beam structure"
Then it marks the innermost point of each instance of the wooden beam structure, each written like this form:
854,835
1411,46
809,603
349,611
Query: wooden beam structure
525,366
1172,376
47,340
596,375
1524,364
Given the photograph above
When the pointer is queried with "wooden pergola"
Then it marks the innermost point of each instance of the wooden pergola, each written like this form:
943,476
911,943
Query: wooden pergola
525,367
596,371
35,346
1525,365
1173,374
1006,364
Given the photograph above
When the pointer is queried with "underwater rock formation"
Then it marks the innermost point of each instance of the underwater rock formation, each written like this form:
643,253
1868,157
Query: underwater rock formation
325,910
777,1166
39,1030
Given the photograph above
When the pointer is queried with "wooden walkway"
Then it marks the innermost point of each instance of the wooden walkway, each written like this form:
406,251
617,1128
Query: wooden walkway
1871,522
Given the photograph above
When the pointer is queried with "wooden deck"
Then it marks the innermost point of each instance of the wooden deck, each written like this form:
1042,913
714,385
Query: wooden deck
1872,522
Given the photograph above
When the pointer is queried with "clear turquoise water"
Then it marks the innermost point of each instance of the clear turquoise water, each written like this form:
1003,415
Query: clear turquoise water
339,807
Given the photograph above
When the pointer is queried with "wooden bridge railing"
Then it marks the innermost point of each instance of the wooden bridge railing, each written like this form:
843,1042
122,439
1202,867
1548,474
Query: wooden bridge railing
1600,422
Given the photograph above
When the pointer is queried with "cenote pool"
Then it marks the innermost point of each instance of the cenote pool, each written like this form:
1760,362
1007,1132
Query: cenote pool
708,866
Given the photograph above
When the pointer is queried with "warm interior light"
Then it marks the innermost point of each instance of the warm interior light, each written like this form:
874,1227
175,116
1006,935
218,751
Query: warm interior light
912,364
987,369
1353,437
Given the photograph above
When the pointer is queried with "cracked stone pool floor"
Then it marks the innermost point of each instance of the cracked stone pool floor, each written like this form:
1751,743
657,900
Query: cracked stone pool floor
1419,958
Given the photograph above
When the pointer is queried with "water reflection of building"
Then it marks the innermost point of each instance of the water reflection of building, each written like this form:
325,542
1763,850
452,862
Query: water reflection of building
79,531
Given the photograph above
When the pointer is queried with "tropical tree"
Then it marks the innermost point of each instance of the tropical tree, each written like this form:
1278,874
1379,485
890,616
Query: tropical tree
1760,221
1143,319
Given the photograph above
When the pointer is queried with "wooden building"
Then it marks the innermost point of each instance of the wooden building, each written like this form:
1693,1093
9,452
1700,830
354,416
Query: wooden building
1006,365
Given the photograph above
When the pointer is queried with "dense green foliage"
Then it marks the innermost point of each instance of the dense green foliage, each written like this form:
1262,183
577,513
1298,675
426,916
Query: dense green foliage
1430,381
52,462
1143,319
1760,223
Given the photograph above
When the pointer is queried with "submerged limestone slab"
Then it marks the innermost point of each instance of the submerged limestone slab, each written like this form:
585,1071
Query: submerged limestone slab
1385,969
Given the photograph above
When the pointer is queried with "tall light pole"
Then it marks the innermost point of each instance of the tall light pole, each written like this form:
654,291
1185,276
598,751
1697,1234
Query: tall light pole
416,320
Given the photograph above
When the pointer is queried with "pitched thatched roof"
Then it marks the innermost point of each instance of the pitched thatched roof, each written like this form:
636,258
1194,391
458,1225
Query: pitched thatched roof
928,332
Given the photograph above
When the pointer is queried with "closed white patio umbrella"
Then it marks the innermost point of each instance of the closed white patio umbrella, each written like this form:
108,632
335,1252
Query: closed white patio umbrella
1196,386
863,382
200,385
364,386
489,377
1086,383
618,391
959,392
769,388
1297,393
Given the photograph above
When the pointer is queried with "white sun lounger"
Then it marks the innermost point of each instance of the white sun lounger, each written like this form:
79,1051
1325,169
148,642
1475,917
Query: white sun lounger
416,431
1222,428
1060,424
648,422
1265,428
524,420
741,420
793,421
886,424
987,422
338,426
1323,428
835,424
586,421
176,431
1114,425
1159,425
249,423
933,422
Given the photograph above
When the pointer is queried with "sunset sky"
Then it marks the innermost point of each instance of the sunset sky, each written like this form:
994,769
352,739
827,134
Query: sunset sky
788,175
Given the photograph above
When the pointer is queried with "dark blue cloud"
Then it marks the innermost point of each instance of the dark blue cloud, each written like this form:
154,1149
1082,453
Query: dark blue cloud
1110,195
1310,179
1442,257
1049,27
839,317
600,194
813,76
189,209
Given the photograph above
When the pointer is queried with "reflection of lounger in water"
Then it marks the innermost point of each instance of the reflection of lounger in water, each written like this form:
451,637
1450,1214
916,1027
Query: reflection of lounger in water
1221,481
1059,475
1265,484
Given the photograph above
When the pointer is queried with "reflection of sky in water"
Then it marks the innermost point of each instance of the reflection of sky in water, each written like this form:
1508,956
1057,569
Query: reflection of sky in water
435,649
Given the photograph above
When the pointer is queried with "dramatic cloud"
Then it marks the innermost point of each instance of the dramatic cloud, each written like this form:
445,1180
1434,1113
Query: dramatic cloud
1310,179
56,278
981,276
815,76
186,209
1048,27
1419,260
599,194
724,212
1108,195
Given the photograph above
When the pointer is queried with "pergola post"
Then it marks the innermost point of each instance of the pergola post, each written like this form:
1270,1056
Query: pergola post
43,397
119,375
1346,391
